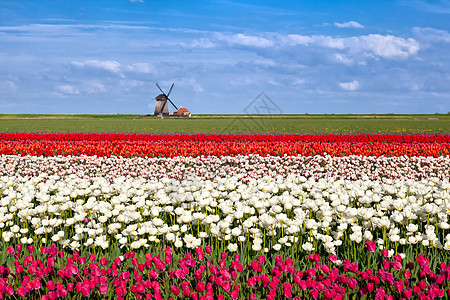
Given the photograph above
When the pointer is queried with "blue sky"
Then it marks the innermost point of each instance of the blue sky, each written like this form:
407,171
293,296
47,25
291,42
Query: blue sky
91,56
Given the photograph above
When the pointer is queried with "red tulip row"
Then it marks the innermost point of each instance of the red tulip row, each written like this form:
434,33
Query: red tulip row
52,273
168,145
200,137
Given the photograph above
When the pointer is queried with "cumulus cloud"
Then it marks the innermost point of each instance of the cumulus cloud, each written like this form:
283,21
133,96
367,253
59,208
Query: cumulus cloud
349,86
350,24
375,45
348,49
108,65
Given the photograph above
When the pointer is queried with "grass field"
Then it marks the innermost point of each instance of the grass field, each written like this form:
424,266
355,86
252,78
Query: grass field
228,123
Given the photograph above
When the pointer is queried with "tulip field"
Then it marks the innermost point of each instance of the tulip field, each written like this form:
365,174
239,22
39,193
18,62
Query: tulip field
224,216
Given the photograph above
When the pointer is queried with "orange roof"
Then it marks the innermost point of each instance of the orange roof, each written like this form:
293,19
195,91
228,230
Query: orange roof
182,109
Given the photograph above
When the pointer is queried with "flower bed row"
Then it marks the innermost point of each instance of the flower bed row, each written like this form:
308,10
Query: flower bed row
245,167
222,145
217,138
292,215
51,273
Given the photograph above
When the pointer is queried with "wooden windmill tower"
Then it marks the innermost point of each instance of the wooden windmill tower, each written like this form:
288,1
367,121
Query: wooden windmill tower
161,107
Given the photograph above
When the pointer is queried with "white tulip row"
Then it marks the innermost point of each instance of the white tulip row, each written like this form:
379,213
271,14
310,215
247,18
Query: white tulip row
264,213
248,166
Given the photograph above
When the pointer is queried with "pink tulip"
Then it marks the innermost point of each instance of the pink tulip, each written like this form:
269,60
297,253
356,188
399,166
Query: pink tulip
63,292
200,253
314,293
325,269
175,290
226,285
103,288
397,265
21,291
36,283
51,285
186,291
371,246
160,265
200,287
261,259
251,281
407,294
121,291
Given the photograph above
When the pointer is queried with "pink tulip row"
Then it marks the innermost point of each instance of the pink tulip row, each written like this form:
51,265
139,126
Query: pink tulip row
51,273
253,166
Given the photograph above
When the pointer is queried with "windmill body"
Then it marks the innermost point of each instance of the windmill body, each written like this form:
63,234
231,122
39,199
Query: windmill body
162,107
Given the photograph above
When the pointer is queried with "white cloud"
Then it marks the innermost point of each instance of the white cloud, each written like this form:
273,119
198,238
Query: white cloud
8,85
431,34
360,47
246,40
299,81
343,59
108,65
299,39
143,68
68,90
131,83
201,43
385,46
198,88
94,87
350,24
189,82
274,82
138,1
264,62
349,86
89,87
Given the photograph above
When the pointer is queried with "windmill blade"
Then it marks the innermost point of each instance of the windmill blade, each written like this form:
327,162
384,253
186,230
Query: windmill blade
173,104
170,90
160,89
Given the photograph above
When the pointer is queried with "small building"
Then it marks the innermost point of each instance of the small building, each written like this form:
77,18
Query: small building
183,112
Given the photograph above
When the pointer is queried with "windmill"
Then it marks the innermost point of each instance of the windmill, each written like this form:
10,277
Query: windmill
161,107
